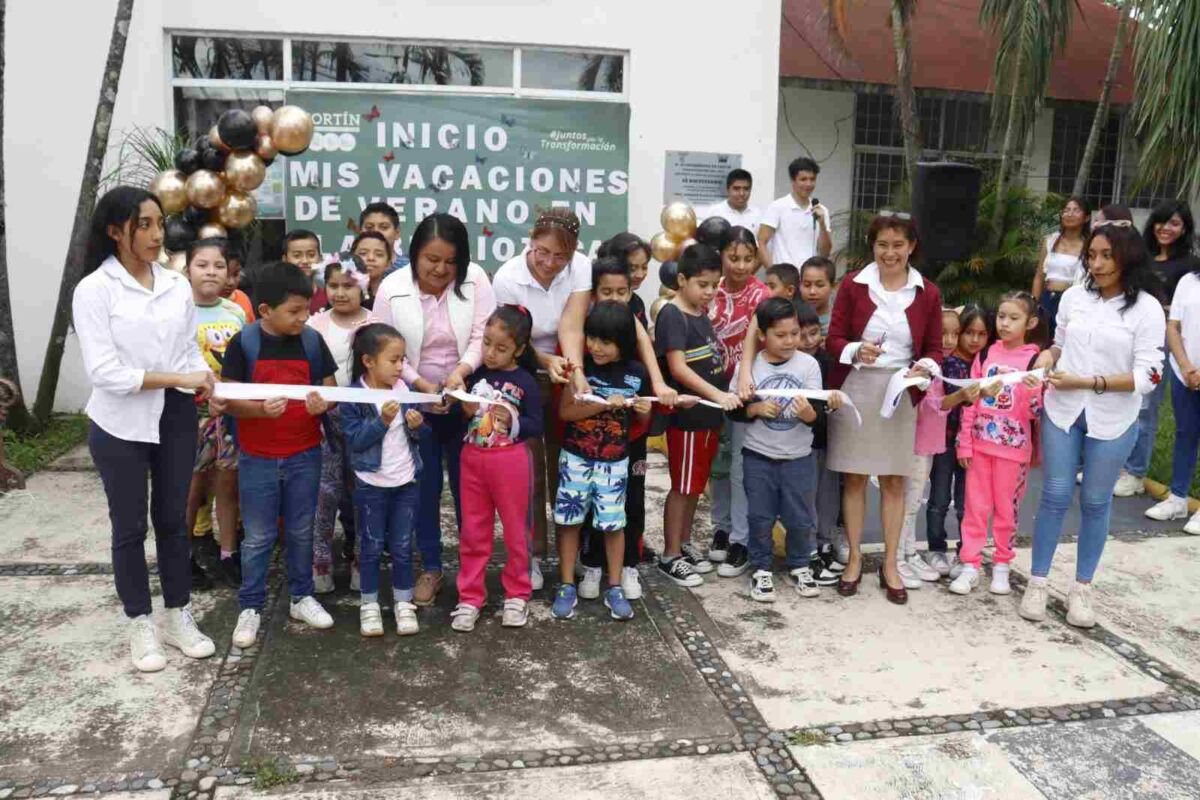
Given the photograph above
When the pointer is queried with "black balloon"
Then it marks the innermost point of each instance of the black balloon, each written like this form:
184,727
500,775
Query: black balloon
713,232
178,233
213,159
195,216
237,129
668,274
187,161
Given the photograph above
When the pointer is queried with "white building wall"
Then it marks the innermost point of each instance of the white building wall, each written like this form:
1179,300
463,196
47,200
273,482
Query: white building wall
691,87
820,125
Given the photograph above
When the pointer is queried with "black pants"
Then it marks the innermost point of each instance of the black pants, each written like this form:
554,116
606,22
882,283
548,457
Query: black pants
635,514
947,480
123,467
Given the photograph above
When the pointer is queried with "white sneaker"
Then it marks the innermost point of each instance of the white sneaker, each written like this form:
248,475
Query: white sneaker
1129,485
1000,584
355,579
1033,604
406,618
246,631
1171,508
967,580
144,648
180,632
631,583
908,575
462,618
693,556
536,581
310,612
516,613
762,586
1193,525
322,584
938,562
956,567
1079,606
806,584
921,568
589,587
370,620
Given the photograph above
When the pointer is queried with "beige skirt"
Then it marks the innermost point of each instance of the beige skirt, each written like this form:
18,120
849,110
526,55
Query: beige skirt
879,446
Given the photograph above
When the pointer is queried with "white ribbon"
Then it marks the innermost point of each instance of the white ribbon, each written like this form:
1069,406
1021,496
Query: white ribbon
813,394
896,388
332,394
1005,378
595,398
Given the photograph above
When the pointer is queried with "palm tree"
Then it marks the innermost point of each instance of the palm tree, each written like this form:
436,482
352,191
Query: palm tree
603,73
1101,119
73,268
1028,34
1166,115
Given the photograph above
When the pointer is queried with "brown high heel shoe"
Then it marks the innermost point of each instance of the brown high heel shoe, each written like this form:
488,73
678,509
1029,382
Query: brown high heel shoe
897,596
849,588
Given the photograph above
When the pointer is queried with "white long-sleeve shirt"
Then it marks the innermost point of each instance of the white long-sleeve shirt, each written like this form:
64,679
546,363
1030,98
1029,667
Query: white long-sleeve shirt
126,330
1097,338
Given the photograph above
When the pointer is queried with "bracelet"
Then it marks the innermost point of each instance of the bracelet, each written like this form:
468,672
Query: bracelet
1099,384
1096,384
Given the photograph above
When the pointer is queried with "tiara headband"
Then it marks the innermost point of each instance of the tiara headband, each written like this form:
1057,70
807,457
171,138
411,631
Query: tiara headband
568,224
346,262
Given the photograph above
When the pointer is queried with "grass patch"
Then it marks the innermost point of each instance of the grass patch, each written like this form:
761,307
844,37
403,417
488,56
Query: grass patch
808,738
32,452
269,773
1164,446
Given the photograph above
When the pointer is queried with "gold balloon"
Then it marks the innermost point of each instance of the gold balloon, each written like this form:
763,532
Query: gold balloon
663,247
205,189
170,187
238,210
177,261
264,148
685,244
291,129
244,171
212,230
262,118
214,138
679,220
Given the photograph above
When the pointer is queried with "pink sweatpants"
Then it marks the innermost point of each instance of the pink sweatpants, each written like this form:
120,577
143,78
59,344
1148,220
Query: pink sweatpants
494,479
995,487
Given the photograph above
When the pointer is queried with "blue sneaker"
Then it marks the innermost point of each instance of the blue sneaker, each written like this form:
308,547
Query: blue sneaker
618,606
565,600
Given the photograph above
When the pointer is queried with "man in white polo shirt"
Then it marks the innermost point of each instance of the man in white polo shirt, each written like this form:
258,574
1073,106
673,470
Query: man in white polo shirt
735,208
794,228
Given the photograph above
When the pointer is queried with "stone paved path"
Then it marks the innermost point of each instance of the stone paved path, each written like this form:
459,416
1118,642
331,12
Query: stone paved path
704,695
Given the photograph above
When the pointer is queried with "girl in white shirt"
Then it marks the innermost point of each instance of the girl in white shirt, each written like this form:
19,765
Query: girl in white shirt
1060,263
1106,355
136,324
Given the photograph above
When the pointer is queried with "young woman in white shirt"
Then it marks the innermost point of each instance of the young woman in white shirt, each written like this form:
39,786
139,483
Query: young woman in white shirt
1107,353
136,324
1060,262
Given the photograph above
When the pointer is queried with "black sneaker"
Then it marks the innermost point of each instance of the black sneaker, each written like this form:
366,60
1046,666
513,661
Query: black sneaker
649,554
695,558
229,570
680,571
823,573
719,547
205,549
736,562
200,580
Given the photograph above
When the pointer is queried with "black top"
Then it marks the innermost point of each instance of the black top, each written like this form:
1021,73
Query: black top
605,437
694,335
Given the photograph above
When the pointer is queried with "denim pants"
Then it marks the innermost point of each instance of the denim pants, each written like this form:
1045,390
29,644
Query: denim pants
123,466
1138,463
441,439
729,494
1187,435
827,500
946,479
1062,452
385,514
779,489
270,488
334,501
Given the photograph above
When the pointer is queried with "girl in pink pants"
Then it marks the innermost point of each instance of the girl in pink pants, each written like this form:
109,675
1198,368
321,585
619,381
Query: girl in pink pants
996,441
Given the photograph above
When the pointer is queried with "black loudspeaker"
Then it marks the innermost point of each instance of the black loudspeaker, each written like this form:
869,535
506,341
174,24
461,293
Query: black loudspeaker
945,204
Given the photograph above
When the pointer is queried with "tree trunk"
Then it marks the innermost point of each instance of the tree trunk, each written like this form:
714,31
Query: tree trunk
1006,150
909,121
18,416
73,268
1100,121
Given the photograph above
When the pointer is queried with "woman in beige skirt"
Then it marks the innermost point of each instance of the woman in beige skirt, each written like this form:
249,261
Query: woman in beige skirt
886,316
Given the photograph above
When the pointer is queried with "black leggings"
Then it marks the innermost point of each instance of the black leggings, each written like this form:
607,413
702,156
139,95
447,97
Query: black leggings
635,514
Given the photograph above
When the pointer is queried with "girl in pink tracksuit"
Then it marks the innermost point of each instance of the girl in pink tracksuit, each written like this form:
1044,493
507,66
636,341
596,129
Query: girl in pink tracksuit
996,443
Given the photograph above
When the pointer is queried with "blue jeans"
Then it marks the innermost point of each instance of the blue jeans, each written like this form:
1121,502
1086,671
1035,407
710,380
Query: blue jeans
729,494
946,479
1138,463
1187,435
385,514
270,488
1062,452
780,489
441,438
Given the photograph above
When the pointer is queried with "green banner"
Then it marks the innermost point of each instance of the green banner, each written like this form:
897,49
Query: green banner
490,161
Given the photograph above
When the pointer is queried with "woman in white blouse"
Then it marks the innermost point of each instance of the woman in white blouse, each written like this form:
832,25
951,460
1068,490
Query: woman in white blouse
1060,262
136,324
1107,353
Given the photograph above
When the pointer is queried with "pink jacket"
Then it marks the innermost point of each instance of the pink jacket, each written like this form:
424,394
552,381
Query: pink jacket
1001,426
931,422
